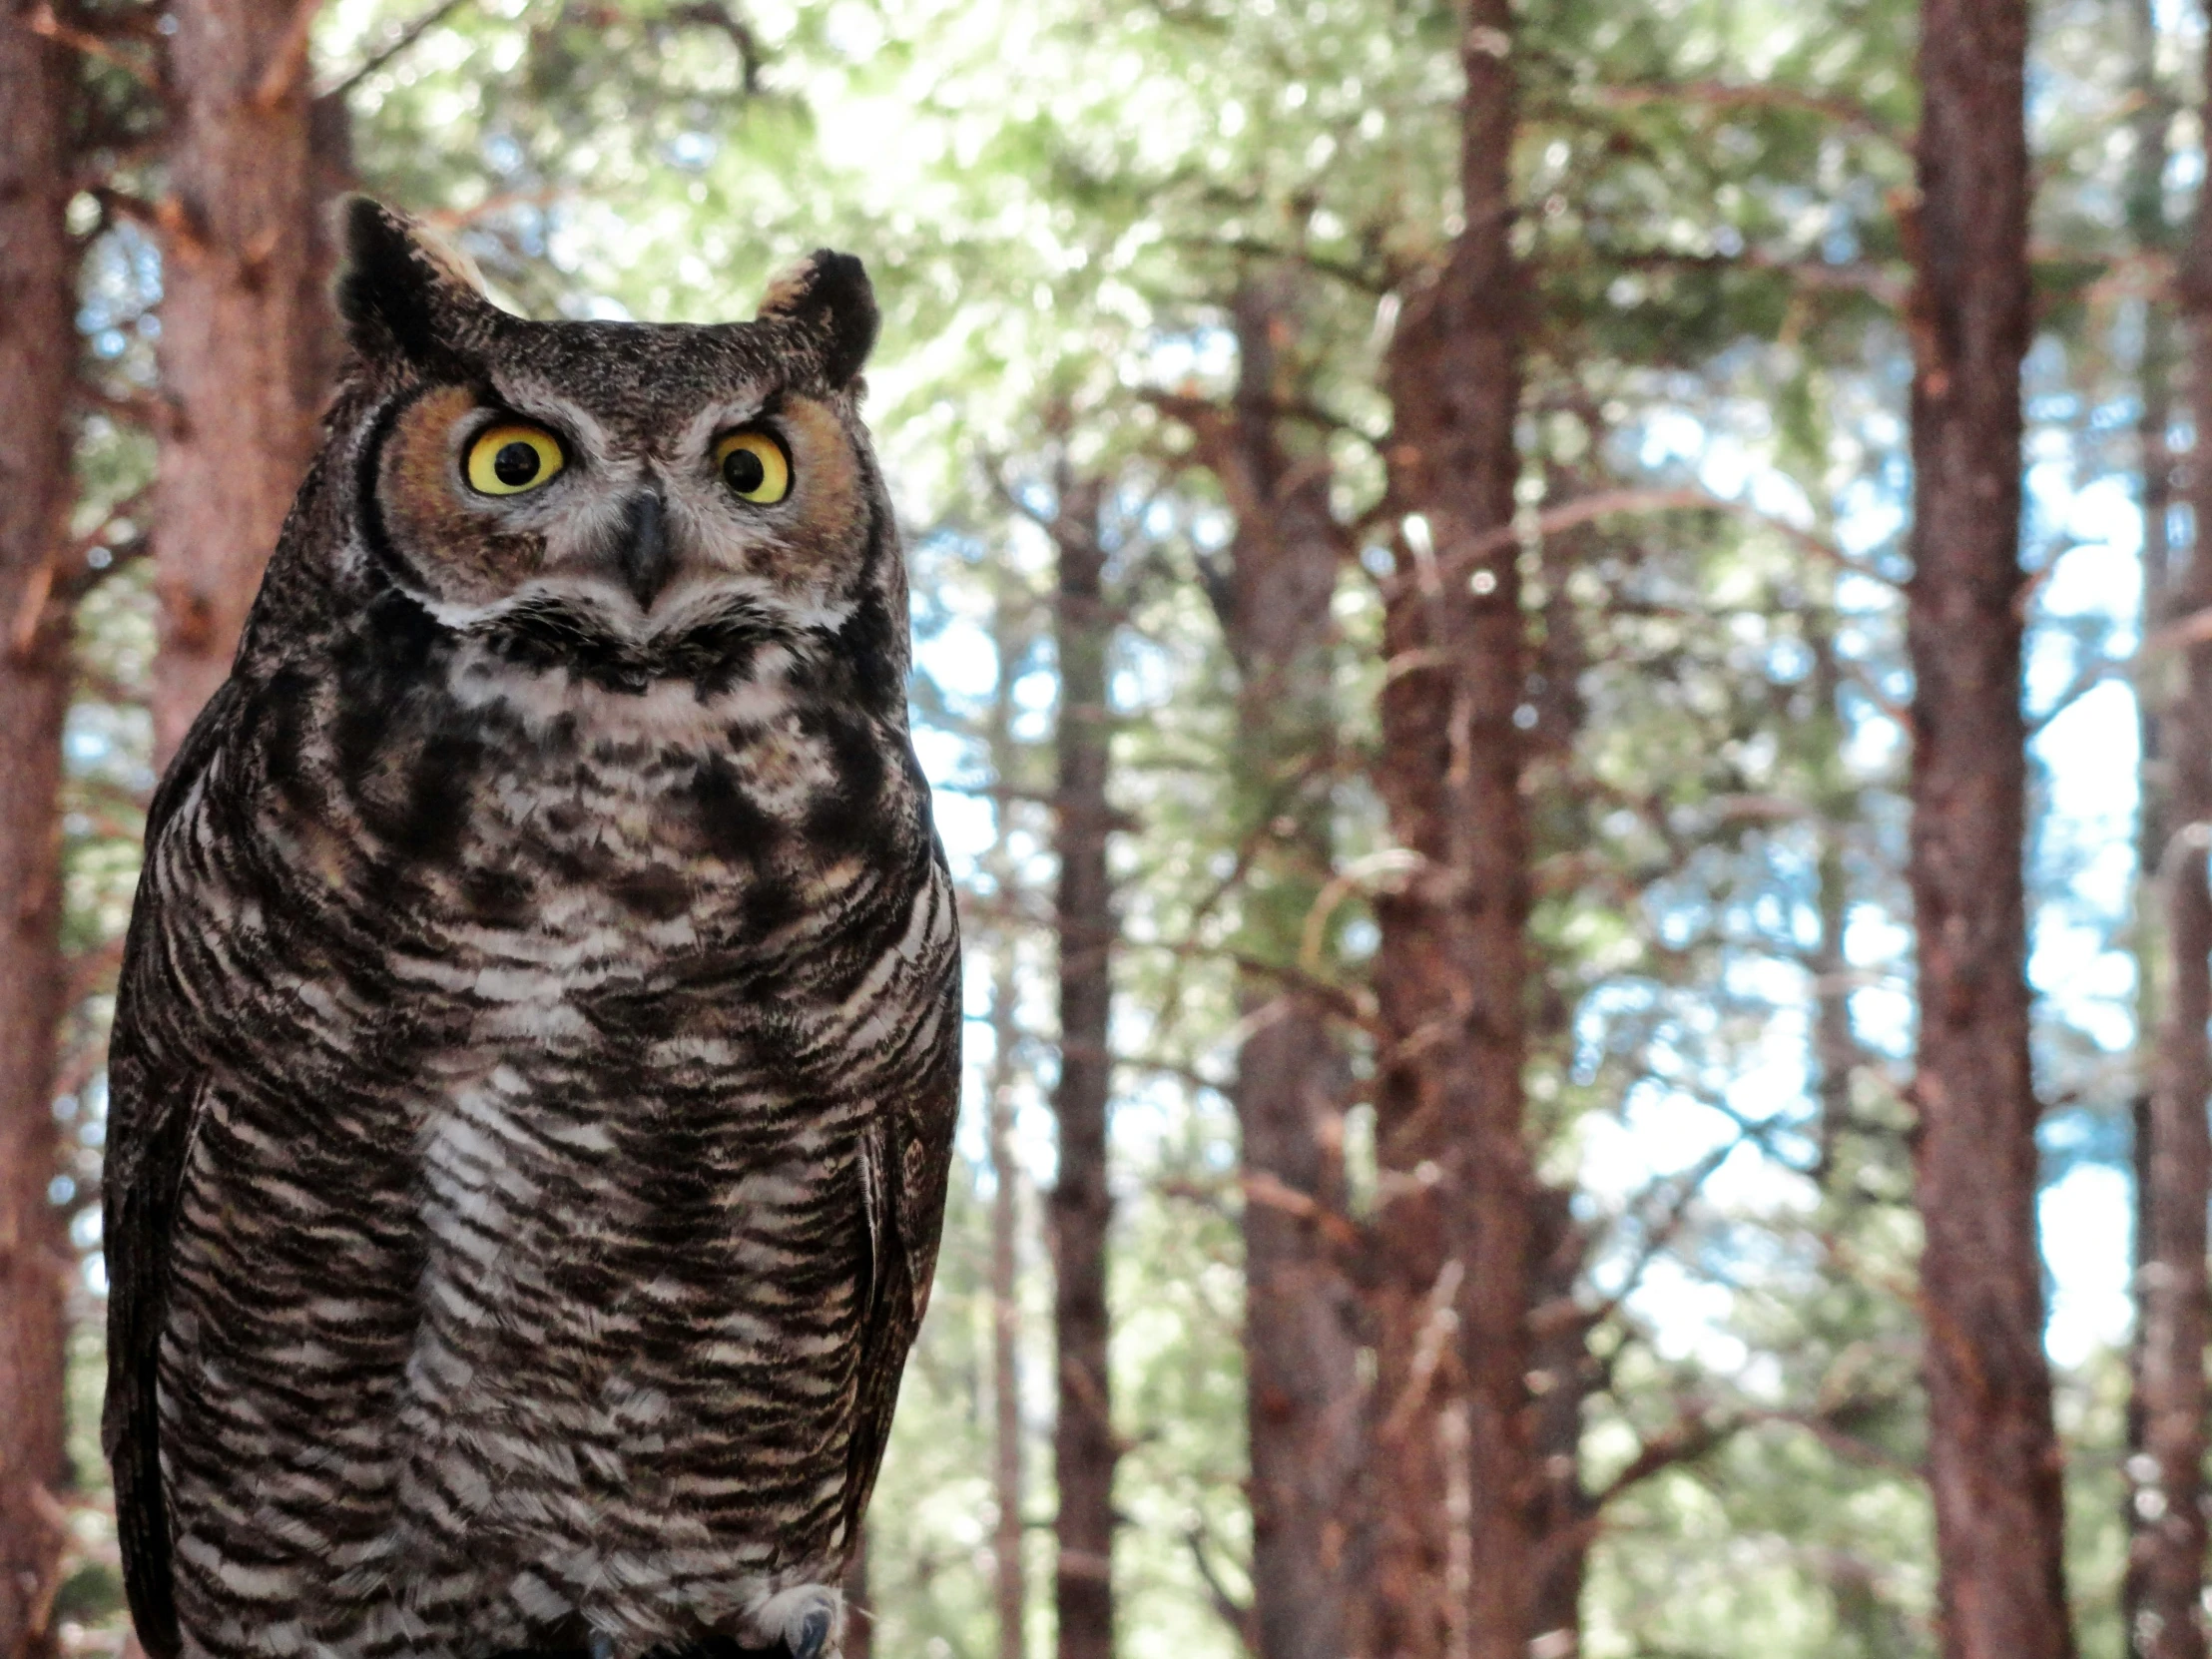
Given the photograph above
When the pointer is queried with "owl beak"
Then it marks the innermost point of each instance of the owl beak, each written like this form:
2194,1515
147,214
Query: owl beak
645,554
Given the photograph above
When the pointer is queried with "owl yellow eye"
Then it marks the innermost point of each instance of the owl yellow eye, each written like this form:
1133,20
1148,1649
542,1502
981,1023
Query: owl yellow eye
511,458
754,465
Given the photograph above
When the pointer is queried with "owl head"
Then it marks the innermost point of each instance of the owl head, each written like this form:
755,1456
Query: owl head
635,488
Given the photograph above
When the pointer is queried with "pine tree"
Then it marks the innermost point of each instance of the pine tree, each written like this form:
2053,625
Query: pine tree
1995,1461
37,363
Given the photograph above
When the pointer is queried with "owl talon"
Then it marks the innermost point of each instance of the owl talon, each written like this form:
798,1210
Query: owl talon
803,1621
813,1635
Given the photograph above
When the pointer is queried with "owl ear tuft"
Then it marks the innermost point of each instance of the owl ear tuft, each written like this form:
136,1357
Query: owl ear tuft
829,294
402,294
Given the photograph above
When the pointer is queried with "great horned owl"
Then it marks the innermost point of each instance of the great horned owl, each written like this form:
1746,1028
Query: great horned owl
534,1071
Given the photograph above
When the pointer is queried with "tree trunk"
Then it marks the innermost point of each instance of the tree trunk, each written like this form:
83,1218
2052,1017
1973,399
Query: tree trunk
2149,937
1562,1373
1015,623
1835,1047
1084,1447
2141,1469
1302,1348
1010,1578
244,325
2166,1554
1994,1462
2161,1592
1455,1215
38,352
860,1606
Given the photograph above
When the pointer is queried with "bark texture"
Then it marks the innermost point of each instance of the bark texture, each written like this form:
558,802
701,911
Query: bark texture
1994,1462
1304,1395
2166,1552
245,332
1010,1583
2149,230
860,1606
1455,1216
2141,1469
1563,1374
1083,1445
36,354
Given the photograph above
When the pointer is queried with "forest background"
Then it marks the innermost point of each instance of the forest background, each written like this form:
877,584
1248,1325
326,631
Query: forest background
1562,657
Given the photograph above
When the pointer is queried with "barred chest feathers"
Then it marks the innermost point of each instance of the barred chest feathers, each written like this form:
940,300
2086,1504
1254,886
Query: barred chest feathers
536,1059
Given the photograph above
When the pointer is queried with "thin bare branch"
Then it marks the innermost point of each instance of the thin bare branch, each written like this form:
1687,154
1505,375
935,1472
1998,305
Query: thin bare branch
1232,1612
288,64
450,220
392,47
42,21
719,18
1693,1434
1889,284
1431,1350
1605,504
1845,112
1683,1188
2086,679
1351,276
1271,1192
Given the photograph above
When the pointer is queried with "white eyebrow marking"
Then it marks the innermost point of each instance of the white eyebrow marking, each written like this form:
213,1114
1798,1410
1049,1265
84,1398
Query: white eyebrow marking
534,398
720,416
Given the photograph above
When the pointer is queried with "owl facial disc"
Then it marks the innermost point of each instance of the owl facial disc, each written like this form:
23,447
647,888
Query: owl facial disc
621,483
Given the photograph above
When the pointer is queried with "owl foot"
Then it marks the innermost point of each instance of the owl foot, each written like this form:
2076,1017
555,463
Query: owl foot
806,1618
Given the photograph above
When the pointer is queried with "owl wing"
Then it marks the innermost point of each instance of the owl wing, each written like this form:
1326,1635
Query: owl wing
906,1157
155,1095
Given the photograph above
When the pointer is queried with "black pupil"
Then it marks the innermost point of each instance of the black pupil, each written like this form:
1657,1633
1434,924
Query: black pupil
516,463
744,471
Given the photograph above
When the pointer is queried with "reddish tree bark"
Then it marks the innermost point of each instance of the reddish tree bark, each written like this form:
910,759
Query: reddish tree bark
1084,1447
1564,1517
1304,1395
245,332
859,1607
1012,639
36,354
2140,1468
2166,1551
1993,1458
2150,232
1454,1223
2161,1595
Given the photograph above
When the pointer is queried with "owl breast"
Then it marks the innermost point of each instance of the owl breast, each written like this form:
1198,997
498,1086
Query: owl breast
596,990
